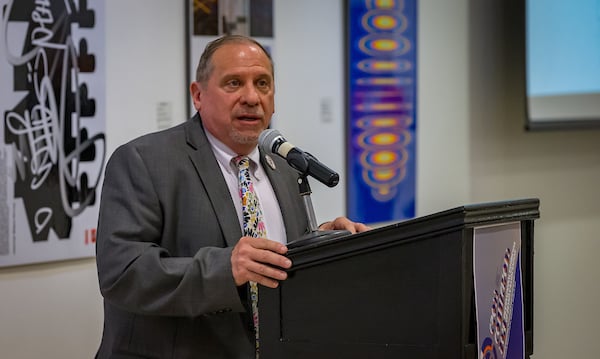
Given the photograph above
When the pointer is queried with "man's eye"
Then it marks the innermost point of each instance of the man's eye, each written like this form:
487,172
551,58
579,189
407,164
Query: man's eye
233,83
263,83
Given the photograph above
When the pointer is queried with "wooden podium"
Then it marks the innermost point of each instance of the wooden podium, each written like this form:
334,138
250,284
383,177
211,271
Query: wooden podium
401,291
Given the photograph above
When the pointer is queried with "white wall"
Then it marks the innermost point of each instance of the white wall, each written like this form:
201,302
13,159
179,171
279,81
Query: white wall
305,76
561,168
145,56
443,108
471,148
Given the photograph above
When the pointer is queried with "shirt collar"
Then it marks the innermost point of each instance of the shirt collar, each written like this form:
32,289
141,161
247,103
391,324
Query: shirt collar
224,155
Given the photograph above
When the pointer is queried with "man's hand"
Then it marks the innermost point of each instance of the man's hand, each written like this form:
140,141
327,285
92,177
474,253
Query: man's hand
256,259
344,223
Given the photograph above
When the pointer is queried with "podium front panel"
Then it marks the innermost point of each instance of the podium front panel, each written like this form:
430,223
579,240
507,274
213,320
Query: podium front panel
401,300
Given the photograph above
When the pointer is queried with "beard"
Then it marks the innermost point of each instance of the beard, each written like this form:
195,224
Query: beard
243,139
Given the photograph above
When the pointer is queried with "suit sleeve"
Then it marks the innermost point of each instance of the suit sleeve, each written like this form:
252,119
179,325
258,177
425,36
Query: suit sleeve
135,272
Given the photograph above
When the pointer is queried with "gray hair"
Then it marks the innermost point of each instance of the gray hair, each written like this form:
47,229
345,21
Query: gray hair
205,65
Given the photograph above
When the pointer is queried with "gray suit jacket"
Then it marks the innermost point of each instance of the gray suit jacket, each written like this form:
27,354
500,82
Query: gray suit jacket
166,230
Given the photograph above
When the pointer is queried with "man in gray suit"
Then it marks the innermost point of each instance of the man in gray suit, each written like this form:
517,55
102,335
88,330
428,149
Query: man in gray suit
173,265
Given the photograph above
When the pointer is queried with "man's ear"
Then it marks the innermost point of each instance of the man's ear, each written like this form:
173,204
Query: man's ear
195,92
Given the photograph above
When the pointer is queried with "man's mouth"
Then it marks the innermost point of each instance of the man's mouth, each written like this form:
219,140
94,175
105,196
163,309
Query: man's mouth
249,118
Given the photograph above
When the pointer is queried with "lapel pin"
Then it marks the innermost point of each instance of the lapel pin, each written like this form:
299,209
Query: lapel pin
270,162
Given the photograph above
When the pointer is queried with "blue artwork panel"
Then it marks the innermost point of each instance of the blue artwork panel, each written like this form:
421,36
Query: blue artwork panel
382,113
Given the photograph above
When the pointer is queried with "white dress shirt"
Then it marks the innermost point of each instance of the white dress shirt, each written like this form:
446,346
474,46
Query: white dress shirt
266,196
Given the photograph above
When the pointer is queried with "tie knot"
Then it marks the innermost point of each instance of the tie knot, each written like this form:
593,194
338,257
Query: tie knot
242,162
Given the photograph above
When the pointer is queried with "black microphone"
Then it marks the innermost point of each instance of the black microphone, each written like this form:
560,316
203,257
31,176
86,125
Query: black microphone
271,141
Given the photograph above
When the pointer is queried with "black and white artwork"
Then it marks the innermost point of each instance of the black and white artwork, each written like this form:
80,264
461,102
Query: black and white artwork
52,133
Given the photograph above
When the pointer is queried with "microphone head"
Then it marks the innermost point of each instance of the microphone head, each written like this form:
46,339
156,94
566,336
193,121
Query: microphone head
268,139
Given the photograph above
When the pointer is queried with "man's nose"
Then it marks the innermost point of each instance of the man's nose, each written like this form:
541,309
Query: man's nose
250,95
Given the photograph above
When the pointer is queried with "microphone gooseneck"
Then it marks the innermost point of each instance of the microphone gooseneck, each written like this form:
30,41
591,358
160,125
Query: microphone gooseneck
271,141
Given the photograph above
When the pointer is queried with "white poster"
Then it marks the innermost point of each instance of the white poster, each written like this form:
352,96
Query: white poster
52,133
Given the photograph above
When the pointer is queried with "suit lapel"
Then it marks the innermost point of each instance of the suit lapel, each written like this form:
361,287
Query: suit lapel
201,155
285,194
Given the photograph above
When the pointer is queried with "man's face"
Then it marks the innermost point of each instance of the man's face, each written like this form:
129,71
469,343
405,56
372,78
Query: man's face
237,102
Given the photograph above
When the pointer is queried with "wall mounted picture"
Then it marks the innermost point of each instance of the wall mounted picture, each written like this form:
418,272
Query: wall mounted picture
52,133
381,108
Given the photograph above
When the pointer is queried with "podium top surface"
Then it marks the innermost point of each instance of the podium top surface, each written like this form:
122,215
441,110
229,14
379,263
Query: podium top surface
467,216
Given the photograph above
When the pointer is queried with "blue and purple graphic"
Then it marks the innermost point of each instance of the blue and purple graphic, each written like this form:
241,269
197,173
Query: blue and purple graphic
382,95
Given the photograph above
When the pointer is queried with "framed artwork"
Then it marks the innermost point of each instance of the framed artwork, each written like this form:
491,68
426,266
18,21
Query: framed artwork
206,20
381,108
52,148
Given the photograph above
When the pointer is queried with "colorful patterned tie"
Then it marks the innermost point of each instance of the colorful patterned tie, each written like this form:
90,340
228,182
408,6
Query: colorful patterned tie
253,225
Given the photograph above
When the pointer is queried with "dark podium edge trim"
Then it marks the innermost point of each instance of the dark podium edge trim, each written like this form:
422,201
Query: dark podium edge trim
468,216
